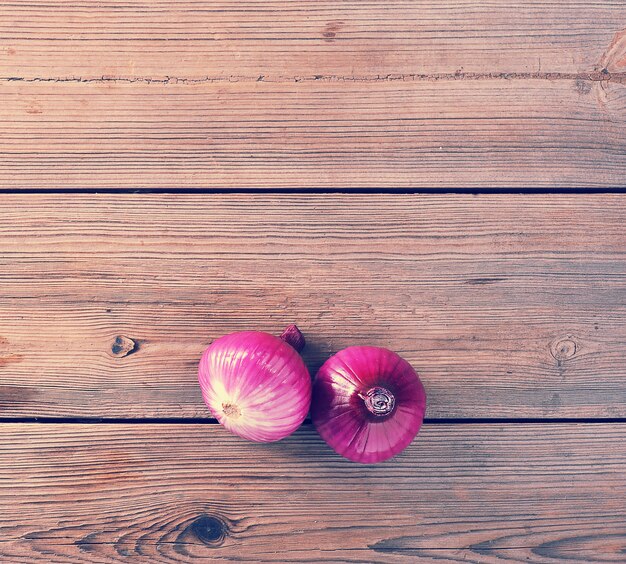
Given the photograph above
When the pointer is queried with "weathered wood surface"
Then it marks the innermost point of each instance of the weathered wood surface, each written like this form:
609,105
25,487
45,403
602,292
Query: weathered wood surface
509,306
161,493
283,40
309,95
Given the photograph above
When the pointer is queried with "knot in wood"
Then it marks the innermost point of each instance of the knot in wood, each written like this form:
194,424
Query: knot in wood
123,346
208,529
564,349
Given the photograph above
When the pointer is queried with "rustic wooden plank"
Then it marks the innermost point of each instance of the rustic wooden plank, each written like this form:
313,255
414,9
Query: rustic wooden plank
340,134
508,305
312,94
161,493
278,40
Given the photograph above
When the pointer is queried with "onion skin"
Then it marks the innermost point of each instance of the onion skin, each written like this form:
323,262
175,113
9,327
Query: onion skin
256,384
368,403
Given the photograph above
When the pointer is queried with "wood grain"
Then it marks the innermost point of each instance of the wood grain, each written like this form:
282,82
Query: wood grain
509,306
283,40
476,134
306,95
172,493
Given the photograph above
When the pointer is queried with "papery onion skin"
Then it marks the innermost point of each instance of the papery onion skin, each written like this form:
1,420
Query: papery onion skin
368,403
256,384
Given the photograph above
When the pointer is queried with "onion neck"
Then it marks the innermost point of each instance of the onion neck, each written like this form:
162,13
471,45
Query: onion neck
378,401
292,336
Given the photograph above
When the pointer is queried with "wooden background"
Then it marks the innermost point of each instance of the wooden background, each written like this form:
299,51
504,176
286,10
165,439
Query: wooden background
446,179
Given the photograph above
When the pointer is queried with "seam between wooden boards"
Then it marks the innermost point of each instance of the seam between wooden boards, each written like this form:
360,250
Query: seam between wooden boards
208,421
319,191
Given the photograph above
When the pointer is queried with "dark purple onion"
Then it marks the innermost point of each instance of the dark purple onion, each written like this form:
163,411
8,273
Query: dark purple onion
368,403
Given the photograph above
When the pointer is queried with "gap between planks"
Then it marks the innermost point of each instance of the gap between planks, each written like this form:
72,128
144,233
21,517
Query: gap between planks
209,421
321,191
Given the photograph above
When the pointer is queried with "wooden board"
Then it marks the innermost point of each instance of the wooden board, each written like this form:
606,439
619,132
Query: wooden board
310,95
476,133
509,306
283,40
161,493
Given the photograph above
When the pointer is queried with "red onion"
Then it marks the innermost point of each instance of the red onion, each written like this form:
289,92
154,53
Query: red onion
368,403
256,384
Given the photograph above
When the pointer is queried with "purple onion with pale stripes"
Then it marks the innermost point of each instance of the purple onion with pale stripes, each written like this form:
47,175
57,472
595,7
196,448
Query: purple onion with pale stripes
368,403
256,384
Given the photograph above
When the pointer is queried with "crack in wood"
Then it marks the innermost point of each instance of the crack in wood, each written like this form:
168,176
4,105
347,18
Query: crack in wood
602,76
